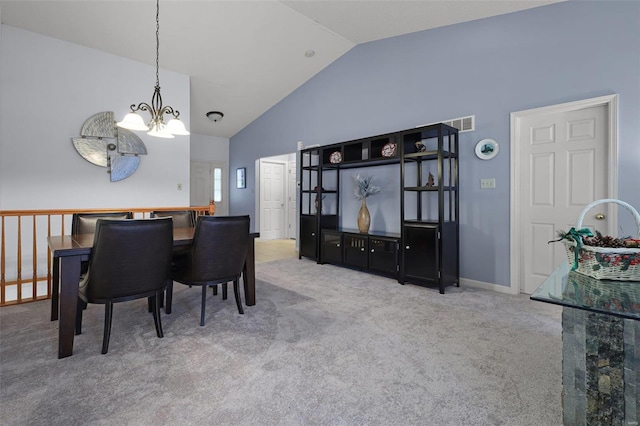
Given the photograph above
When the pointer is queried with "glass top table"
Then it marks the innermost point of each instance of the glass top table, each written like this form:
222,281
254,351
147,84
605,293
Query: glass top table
572,289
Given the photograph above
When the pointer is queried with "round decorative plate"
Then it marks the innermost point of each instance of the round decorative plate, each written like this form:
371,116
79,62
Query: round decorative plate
389,150
486,149
335,157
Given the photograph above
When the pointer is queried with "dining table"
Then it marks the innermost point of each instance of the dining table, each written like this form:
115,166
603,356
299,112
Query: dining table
69,251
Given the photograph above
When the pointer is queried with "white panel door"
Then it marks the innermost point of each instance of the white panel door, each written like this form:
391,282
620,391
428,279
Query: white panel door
208,181
272,200
564,167
200,184
292,219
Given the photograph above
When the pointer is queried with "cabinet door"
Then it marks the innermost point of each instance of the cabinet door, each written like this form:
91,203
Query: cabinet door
383,255
308,238
332,247
420,252
355,250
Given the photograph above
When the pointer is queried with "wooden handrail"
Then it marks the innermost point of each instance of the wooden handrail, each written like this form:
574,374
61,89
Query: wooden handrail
16,289
52,212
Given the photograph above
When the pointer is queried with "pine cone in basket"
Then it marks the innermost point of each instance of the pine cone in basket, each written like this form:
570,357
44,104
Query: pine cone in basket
608,241
632,243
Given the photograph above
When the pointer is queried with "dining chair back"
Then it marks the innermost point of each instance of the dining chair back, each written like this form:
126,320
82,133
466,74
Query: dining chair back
181,218
130,259
85,223
217,256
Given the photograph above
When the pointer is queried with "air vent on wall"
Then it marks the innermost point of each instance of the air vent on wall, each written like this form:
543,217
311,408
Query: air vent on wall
463,124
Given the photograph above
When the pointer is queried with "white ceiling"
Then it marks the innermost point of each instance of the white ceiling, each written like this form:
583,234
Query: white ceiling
243,56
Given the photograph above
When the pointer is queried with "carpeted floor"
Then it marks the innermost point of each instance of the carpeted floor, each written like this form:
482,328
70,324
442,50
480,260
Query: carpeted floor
270,250
323,346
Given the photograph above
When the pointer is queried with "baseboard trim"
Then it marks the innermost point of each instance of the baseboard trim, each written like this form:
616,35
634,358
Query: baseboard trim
487,286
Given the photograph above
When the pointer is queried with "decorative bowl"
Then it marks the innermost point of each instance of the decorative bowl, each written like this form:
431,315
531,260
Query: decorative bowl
389,149
335,157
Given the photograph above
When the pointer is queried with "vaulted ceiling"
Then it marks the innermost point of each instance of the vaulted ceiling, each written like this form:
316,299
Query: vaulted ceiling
243,57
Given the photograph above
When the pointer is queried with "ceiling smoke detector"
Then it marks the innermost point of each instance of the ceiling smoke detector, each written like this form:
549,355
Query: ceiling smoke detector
215,116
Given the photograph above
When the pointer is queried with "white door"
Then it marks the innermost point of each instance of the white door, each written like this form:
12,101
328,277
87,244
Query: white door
272,200
208,181
563,160
200,184
292,198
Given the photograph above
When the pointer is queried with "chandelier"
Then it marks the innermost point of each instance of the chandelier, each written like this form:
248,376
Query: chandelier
156,126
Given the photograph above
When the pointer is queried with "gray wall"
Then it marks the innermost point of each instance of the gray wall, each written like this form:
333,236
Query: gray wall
491,67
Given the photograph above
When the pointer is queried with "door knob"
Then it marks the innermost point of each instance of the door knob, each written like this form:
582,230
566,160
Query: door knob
600,216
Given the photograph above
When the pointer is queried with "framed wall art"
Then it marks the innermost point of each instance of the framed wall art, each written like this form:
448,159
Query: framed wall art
241,177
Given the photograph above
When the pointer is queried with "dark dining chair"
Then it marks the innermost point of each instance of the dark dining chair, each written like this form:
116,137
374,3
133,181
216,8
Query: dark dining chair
181,218
217,256
130,259
85,223
81,223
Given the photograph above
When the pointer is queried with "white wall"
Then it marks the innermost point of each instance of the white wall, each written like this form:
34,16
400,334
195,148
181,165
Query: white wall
49,87
209,148
212,149
284,157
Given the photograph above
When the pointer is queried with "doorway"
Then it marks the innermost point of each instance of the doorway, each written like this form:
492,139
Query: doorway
208,181
563,157
276,196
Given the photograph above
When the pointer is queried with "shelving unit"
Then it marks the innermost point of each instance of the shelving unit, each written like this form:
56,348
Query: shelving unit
425,252
313,217
430,230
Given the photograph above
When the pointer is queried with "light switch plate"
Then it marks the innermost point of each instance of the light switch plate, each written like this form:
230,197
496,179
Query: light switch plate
487,183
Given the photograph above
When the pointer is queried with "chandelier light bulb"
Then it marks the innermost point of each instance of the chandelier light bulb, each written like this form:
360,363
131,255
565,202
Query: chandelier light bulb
133,121
160,130
176,127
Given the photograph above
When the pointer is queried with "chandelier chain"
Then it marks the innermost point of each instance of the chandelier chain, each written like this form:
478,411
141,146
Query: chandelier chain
157,111
157,42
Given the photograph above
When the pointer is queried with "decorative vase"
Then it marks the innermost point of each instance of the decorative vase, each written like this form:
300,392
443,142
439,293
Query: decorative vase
364,220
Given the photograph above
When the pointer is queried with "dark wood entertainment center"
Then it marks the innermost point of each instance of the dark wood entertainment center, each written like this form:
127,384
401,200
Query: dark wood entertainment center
425,252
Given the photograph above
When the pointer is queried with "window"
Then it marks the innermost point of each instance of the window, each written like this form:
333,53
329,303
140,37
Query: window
217,184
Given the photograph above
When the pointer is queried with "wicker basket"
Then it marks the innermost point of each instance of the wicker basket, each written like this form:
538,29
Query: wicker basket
604,263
